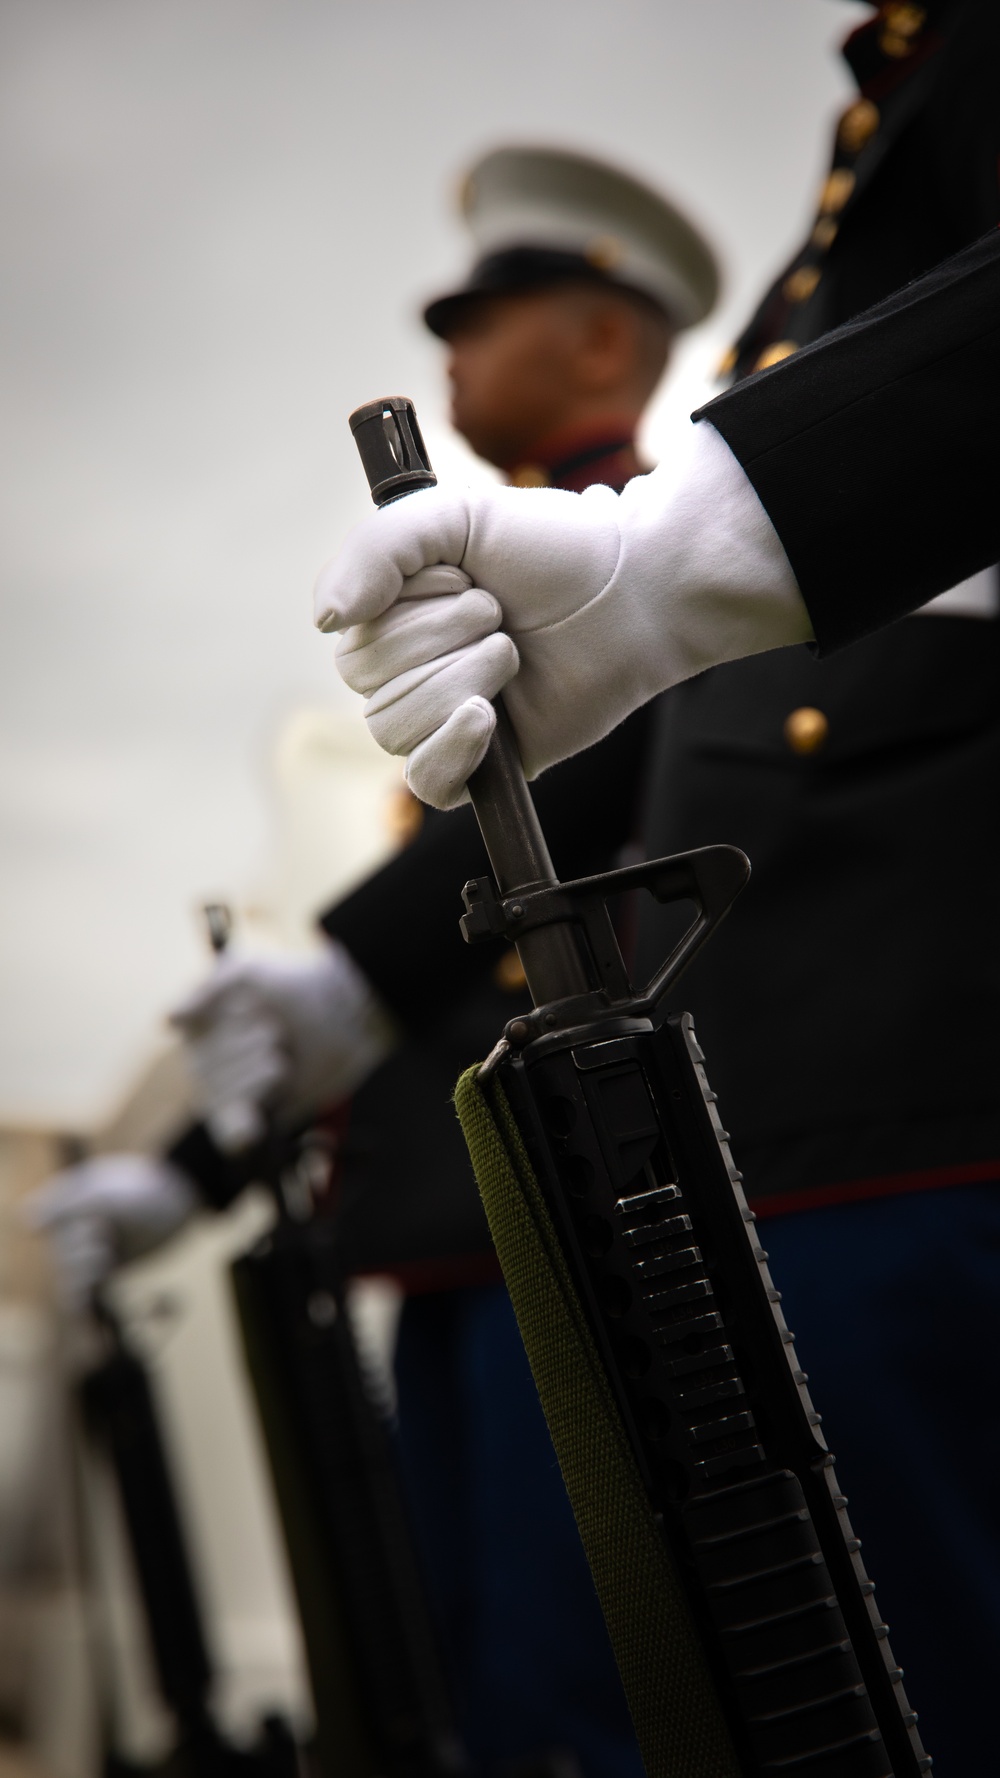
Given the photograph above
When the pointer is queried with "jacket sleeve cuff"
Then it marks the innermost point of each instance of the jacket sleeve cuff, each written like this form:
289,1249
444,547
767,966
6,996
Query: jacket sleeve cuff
875,452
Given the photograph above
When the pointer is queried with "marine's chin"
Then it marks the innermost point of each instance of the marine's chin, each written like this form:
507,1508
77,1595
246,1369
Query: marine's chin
480,440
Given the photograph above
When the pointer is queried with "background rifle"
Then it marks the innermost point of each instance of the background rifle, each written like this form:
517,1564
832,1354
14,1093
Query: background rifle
119,1411
620,1128
381,1700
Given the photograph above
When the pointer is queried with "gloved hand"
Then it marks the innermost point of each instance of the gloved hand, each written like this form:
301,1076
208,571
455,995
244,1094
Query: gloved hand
283,1034
104,1211
604,599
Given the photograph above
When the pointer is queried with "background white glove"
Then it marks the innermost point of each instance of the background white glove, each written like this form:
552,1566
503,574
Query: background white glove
286,1034
104,1211
605,600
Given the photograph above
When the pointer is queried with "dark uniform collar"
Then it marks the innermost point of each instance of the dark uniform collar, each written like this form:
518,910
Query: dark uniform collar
578,459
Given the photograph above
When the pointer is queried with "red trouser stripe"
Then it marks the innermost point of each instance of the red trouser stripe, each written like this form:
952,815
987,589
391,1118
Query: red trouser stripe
887,1185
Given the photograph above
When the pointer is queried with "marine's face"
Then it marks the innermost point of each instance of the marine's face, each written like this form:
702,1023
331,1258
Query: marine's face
514,368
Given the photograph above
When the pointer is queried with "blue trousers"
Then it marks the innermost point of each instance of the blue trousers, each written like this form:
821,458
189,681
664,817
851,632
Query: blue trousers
530,1659
896,1307
895,1304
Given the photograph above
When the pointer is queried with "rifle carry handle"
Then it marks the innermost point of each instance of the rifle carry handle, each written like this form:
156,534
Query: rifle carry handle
396,463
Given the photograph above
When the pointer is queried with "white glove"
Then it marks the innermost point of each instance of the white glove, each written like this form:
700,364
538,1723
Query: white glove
105,1211
289,1034
605,599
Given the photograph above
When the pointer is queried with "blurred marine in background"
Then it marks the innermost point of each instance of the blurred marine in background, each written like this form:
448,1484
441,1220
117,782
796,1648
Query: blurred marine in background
582,278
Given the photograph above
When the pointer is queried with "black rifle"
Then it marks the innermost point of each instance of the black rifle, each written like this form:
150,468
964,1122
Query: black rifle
120,1413
614,1109
382,1704
381,1700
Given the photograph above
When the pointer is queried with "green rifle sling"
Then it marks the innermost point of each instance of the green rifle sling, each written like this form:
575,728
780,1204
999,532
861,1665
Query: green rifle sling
678,1719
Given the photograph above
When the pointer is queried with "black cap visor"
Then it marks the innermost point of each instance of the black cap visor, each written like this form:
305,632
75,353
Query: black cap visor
515,270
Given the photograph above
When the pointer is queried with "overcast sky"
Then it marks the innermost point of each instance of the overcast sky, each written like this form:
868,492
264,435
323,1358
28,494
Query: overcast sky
219,219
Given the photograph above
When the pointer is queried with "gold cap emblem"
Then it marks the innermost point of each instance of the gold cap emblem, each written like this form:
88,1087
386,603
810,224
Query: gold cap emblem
604,252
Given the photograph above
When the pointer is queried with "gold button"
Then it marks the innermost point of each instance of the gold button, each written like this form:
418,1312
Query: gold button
800,284
837,188
805,730
530,475
727,363
508,973
825,232
908,20
857,126
774,354
901,25
604,252
404,816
